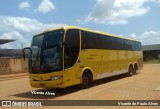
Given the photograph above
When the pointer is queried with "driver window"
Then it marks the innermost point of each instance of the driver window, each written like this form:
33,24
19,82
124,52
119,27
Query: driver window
72,47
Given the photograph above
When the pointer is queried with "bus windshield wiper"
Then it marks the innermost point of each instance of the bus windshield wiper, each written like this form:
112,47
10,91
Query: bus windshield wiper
37,56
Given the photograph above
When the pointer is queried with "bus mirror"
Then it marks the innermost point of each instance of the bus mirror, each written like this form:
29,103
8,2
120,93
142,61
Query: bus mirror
64,43
23,51
23,54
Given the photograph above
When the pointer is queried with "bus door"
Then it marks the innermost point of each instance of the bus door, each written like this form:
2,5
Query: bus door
71,53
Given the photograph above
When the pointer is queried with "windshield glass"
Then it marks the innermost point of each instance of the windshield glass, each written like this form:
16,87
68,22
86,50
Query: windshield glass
52,51
34,59
46,52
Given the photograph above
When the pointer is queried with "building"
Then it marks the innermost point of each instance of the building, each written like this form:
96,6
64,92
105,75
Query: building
11,60
151,52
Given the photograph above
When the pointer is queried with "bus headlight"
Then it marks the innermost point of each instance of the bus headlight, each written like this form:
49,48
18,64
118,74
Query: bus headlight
56,77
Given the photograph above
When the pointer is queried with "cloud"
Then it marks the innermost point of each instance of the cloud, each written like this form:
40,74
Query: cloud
22,29
45,6
24,5
158,1
14,35
24,24
148,37
117,11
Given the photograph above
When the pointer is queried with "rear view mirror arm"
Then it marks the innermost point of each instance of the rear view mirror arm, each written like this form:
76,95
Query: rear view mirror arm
23,51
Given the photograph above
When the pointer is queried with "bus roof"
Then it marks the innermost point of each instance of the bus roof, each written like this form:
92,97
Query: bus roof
86,29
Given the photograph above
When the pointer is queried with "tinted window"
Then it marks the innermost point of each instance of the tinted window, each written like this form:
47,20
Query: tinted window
51,51
71,48
99,41
87,40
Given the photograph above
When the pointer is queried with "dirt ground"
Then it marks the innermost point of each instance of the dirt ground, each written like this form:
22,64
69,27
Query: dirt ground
143,86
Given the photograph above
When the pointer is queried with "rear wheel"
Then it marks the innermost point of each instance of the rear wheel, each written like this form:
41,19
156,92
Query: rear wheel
130,71
86,80
135,69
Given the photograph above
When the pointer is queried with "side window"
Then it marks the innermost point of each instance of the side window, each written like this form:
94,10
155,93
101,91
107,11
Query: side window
71,49
89,40
86,42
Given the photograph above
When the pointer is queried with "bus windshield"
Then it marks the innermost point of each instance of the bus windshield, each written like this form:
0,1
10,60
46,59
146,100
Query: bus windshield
46,53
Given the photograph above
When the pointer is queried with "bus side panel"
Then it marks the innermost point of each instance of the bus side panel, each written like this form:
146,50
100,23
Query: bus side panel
105,63
89,58
72,75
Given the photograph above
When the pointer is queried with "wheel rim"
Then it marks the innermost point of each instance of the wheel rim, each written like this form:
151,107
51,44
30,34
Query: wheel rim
85,80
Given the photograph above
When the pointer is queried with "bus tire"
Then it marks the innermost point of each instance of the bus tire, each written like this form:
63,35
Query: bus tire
135,68
130,71
87,80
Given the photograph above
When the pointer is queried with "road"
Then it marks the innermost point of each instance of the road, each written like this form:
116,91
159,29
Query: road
143,86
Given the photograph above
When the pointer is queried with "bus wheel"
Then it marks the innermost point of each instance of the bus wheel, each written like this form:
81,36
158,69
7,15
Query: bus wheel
86,80
130,71
135,69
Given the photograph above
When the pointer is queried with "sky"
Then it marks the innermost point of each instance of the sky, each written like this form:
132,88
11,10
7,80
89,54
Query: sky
136,19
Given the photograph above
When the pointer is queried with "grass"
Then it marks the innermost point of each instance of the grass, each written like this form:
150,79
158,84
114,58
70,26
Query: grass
153,61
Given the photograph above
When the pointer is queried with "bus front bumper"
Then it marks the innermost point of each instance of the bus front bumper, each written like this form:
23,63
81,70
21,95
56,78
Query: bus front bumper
48,84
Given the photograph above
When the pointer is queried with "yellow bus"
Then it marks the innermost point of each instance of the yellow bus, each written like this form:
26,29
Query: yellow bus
70,55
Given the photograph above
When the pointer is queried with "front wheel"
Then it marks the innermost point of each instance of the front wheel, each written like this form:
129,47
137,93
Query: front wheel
86,80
